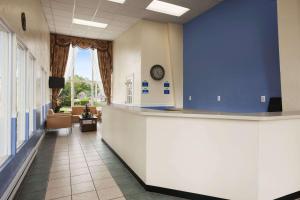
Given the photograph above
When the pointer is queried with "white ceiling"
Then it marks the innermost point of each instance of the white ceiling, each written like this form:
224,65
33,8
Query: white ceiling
119,17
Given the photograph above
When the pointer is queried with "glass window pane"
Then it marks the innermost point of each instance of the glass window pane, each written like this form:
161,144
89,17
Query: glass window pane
4,93
30,92
20,94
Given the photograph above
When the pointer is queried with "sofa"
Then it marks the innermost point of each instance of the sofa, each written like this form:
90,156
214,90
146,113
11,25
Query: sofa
78,110
58,120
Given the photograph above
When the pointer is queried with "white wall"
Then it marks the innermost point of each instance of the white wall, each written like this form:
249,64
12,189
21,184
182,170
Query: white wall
137,50
37,36
289,45
127,61
176,60
155,50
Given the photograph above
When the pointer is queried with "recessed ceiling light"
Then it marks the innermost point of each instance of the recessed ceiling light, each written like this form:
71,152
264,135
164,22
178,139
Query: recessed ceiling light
118,1
89,23
167,8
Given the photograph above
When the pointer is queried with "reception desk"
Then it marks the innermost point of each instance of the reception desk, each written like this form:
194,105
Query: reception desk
193,153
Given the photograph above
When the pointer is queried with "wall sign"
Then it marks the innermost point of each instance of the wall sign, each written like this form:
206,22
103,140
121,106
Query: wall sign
145,87
166,87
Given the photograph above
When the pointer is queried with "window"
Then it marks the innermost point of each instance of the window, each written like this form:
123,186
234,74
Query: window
20,96
5,88
38,95
43,92
30,92
83,81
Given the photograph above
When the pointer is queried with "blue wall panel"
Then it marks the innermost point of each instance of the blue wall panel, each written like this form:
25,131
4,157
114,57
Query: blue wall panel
12,165
10,168
26,126
13,136
232,51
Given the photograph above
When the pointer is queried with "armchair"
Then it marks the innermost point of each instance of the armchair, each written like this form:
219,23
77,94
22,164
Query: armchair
58,120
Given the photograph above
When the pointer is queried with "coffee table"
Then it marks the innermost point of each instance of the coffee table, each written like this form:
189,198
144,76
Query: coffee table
88,124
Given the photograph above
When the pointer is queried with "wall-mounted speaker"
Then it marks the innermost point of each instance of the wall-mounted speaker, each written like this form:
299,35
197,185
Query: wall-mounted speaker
23,21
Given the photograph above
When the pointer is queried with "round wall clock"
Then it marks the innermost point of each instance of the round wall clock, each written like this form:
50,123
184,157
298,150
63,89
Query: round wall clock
157,72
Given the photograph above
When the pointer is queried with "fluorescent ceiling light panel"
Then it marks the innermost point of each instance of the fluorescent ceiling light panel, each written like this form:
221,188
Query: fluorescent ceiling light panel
89,23
118,1
167,8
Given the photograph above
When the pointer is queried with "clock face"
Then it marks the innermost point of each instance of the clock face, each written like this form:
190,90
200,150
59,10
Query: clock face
157,72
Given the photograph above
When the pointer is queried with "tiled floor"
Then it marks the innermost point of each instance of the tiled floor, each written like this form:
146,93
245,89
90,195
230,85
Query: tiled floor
79,166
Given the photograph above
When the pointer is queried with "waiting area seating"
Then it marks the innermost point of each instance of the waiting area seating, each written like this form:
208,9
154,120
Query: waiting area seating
77,110
58,120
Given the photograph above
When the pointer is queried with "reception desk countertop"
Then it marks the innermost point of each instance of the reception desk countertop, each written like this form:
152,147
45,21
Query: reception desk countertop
187,113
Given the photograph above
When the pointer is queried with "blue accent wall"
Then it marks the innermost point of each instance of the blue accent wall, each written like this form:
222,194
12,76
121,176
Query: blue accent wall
232,51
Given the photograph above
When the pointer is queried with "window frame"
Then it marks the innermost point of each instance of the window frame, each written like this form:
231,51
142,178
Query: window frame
30,92
6,83
94,63
20,106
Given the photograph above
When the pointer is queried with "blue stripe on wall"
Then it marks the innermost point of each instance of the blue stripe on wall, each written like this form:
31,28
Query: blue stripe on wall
13,136
34,120
232,51
27,126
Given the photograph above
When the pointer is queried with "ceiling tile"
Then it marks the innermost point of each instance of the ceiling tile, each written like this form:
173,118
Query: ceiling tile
119,17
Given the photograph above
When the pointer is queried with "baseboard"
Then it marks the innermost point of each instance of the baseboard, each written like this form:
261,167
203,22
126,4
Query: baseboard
166,191
16,182
293,196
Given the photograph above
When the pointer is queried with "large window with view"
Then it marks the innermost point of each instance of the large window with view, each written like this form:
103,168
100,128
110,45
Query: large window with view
20,95
38,94
30,92
83,81
5,88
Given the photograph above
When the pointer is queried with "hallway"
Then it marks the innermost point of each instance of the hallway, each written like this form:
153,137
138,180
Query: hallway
79,166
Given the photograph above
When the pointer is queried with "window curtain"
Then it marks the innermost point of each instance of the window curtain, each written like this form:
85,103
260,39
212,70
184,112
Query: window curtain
59,49
105,67
59,57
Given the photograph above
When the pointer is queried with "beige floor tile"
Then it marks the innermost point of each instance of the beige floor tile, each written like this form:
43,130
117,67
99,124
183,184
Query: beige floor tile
76,161
60,163
110,193
76,153
60,157
100,175
81,179
59,175
91,154
78,165
104,183
93,163
59,168
63,154
93,158
86,196
81,171
65,198
83,187
97,168
57,183
122,198
58,192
